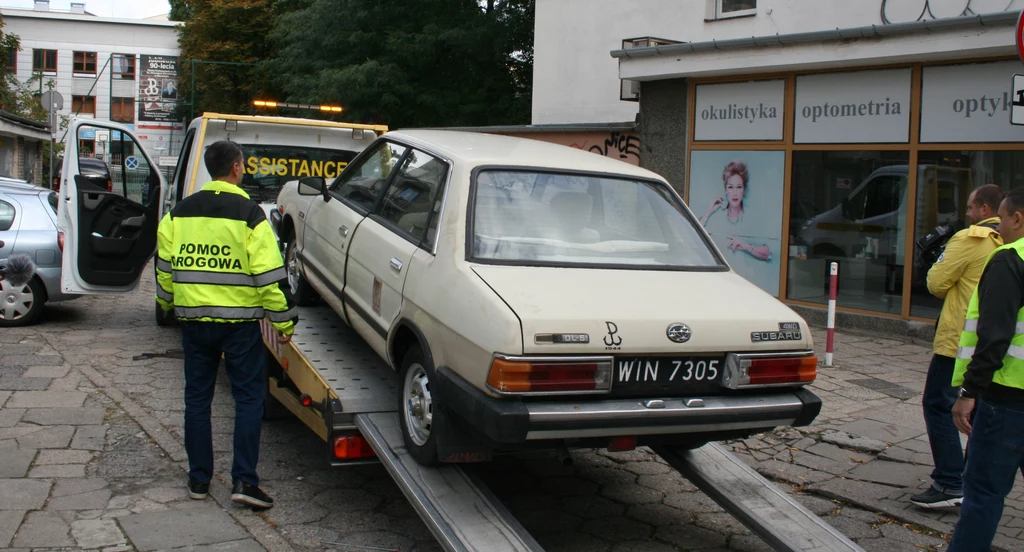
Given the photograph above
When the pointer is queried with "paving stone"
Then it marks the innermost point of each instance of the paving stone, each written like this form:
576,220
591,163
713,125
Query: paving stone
247,545
47,438
4,395
179,528
15,462
55,457
892,473
46,399
819,463
23,494
9,417
67,470
790,473
47,371
882,431
24,384
617,529
902,534
838,454
65,416
690,537
95,533
79,494
90,438
10,520
632,494
33,360
43,530
845,440
858,492
748,543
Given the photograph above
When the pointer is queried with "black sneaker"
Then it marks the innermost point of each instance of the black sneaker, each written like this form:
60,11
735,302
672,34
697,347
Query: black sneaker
250,495
933,498
197,490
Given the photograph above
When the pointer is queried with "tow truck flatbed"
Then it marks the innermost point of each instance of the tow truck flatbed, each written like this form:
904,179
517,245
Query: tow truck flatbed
338,386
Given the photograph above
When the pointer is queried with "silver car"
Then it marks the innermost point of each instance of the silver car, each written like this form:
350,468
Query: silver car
28,226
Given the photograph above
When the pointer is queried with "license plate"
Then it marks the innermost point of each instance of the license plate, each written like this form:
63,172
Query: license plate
656,376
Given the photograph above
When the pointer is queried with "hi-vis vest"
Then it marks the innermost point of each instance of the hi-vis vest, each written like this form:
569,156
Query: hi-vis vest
218,260
1012,372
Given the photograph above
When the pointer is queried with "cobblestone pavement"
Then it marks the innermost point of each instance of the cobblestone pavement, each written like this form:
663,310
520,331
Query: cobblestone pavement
105,471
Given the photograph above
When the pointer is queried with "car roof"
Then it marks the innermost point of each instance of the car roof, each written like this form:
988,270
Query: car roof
13,185
478,148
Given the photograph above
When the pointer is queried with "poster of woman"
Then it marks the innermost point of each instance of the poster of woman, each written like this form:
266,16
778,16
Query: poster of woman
738,197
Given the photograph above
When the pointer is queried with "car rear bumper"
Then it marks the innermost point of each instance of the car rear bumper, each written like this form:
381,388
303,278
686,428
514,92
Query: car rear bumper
511,421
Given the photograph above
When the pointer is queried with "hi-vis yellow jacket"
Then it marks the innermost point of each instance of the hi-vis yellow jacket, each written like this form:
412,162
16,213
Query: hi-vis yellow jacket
218,261
955,276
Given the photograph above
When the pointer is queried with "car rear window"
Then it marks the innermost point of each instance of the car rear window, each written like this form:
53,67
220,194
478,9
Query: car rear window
51,200
268,167
564,219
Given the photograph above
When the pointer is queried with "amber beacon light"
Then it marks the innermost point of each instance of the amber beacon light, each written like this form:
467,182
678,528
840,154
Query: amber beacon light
273,105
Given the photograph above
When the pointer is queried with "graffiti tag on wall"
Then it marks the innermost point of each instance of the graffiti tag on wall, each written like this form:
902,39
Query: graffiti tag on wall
618,145
902,11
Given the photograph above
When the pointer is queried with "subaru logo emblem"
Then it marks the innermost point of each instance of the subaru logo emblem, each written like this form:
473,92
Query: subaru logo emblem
680,333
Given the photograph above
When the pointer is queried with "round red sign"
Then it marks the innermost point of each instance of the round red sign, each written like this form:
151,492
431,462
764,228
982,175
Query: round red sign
1020,35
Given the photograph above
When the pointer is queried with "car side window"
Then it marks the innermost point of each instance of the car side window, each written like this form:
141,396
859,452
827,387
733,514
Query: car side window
6,215
413,200
363,183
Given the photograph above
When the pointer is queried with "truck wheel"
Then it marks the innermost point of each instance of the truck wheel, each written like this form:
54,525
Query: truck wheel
302,292
419,413
21,306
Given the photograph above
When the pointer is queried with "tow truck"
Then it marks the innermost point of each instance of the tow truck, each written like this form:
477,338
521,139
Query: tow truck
333,381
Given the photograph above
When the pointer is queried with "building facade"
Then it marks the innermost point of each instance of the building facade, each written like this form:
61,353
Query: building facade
815,131
121,70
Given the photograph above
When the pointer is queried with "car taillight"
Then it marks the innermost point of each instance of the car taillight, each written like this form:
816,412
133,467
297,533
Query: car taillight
742,371
550,375
110,185
352,447
60,240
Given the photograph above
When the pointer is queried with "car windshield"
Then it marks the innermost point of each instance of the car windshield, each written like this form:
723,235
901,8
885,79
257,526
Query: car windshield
268,167
541,218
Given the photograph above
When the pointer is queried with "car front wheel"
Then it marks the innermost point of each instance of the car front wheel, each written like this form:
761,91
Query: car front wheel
21,305
418,410
301,290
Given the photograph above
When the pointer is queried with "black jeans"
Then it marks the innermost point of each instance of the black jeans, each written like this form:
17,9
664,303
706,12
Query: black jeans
242,347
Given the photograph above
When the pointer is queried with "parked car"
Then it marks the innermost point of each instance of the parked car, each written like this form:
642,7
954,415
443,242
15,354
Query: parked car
542,296
28,225
93,170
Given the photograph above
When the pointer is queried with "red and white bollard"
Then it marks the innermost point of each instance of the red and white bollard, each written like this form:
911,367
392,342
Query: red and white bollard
833,284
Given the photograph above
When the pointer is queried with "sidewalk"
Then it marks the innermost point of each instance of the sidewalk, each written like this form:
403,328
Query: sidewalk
868,446
78,471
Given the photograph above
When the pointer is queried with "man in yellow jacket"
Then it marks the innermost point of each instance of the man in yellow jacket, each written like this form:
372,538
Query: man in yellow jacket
220,269
953,278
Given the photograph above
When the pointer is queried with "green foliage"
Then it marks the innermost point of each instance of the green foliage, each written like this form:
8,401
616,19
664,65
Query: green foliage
408,62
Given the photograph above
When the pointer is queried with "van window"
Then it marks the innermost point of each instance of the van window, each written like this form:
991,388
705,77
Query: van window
268,167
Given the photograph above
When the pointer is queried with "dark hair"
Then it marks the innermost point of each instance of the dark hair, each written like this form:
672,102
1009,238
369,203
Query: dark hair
990,195
1015,200
220,156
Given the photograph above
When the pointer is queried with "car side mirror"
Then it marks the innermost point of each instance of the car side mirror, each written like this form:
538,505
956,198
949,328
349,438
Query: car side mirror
313,185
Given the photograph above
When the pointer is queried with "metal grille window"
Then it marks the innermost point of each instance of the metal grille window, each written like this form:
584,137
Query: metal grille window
83,105
44,61
84,63
122,110
124,66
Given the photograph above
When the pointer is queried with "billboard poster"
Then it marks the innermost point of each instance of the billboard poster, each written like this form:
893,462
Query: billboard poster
158,88
738,197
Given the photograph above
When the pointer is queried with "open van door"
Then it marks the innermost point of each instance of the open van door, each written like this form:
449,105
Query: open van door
109,221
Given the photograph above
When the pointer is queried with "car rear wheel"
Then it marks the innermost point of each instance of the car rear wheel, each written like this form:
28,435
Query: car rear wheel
22,305
418,410
301,290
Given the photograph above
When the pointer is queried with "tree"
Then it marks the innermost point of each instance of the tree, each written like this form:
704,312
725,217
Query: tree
408,62
223,41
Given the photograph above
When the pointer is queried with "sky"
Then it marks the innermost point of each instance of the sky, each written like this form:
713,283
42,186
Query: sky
128,9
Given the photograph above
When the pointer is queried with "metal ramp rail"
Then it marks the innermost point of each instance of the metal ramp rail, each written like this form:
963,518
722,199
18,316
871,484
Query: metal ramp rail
783,523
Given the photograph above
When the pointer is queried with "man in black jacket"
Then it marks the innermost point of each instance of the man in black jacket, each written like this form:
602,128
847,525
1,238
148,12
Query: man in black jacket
990,372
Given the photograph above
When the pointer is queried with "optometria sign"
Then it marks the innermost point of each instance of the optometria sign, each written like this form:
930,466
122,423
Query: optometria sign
854,107
739,111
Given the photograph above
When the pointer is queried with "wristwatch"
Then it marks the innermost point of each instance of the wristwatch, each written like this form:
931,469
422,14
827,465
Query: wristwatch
965,394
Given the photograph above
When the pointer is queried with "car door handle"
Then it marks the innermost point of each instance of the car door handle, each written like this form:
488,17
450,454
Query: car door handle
396,264
343,230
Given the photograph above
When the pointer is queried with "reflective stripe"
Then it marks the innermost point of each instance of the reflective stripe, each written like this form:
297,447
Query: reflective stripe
268,278
282,316
163,265
1020,328
965,352
971,325
215,278
165,295
1016,351
226,313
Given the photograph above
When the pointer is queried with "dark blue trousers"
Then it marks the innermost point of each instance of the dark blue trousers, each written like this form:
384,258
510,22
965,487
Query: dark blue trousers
241,344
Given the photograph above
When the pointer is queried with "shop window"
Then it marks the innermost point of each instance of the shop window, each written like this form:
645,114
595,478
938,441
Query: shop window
84,64
123,66
724,9
122,110
945,180
849,207
83,105
44,61
12,60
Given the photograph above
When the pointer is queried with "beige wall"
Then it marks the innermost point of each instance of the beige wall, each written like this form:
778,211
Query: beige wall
624,146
